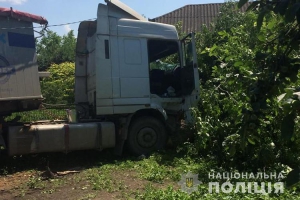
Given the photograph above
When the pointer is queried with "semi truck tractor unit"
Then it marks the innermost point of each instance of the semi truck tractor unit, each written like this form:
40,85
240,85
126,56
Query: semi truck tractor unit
135,80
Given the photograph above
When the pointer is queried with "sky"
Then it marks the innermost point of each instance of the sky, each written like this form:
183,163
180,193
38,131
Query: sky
68,11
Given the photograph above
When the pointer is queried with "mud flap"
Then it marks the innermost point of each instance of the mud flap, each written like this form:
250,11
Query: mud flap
121,135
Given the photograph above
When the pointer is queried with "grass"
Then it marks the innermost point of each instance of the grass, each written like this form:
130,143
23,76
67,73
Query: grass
155,177
88,196
165,168
101,179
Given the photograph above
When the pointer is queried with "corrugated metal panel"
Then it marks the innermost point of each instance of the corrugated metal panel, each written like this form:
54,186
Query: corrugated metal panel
193,16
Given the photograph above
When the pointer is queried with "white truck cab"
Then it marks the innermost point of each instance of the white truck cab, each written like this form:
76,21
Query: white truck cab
129,66
126,64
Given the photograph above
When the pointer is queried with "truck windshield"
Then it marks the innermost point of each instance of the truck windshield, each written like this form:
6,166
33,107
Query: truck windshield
164,67
163,54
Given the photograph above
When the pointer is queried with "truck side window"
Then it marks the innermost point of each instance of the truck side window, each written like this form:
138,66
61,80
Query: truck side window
164,67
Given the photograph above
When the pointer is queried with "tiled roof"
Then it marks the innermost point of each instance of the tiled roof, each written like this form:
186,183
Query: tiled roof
193,16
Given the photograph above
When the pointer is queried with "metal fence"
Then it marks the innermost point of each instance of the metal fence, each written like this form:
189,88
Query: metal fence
53,112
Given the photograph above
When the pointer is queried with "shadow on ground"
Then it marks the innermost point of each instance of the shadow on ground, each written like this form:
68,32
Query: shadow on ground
57,161
77,159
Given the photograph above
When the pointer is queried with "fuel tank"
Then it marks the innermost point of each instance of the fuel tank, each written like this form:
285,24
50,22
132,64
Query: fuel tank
60,137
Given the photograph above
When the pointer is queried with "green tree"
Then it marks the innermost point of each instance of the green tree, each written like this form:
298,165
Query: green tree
279,57
288,9
55,49
59,87
239,116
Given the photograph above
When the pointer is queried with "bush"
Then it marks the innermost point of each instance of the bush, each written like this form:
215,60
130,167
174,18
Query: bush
59,87
239,119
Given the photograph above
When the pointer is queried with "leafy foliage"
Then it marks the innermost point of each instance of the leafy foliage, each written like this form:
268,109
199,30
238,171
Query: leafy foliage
244,67
288,9
59,87
55,49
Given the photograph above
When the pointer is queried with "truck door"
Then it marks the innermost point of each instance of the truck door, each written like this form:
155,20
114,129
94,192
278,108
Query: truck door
189,71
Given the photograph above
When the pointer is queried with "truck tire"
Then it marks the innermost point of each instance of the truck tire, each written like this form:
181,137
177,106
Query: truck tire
146,134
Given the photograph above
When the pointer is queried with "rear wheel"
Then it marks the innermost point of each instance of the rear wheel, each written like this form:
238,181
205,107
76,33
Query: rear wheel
146,134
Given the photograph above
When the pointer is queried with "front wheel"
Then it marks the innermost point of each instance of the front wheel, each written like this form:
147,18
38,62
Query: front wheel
146,134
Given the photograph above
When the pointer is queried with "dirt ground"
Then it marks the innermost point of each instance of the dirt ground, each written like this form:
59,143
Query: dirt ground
28,177
12,187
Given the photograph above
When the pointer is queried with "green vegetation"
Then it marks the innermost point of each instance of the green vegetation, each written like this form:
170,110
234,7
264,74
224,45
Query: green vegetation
36,115
245,64
59,87
163,172
55,49
56,54
155,177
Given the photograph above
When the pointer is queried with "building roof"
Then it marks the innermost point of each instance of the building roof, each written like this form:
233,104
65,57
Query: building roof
23,16
193,16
